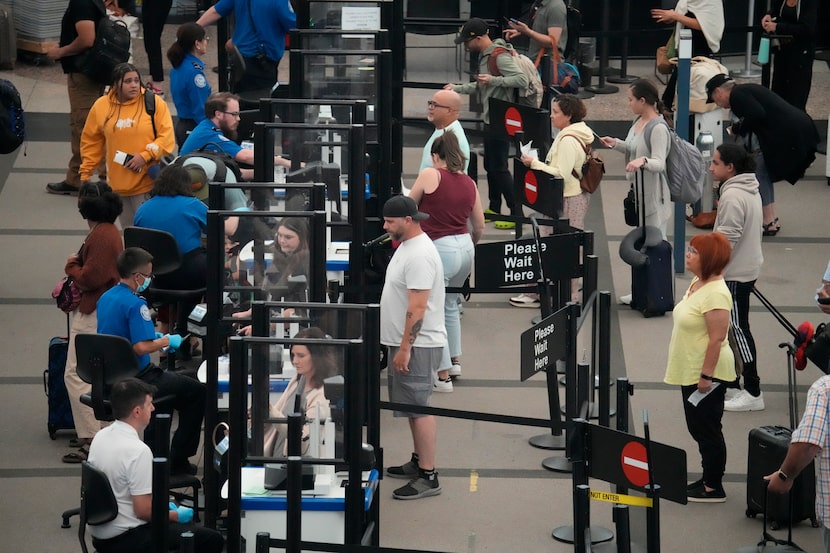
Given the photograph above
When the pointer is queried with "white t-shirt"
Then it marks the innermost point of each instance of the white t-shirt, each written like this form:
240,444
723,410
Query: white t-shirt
455,128
127,461
415,266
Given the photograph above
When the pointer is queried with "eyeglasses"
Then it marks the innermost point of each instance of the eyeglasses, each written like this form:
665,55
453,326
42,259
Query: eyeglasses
232,114
432,104
691,251
142,274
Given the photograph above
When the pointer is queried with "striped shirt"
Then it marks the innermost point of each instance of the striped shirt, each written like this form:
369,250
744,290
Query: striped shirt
814,428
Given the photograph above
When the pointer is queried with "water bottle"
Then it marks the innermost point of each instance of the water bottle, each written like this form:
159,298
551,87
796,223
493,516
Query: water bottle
706,144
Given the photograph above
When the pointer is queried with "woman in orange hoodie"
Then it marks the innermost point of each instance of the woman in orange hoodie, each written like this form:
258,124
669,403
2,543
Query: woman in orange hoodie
119,130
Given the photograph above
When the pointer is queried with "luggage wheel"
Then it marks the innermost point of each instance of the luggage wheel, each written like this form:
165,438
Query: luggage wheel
814,523
751,514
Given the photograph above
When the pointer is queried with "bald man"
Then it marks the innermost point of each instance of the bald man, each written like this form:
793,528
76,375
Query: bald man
442,111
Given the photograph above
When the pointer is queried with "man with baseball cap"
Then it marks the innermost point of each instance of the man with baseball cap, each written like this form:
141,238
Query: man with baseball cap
412,326
783,137
475,37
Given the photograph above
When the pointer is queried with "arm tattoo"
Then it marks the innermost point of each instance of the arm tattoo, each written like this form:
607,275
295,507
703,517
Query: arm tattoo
416,328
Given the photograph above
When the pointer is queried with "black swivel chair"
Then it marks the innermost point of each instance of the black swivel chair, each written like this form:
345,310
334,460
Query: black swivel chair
166,259
103,360
98,504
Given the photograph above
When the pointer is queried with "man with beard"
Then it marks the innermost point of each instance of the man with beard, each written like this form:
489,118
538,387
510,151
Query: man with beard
218,132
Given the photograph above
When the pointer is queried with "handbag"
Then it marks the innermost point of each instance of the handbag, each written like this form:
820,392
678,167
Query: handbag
67,295
665,55
630,208
592,170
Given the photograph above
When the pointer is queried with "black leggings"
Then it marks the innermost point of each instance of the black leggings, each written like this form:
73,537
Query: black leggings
154,14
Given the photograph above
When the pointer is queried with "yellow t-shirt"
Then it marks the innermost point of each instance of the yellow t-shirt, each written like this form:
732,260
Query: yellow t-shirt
690,337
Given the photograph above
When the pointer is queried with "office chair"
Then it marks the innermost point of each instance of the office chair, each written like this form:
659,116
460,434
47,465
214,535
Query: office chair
166,259
98,504
103,360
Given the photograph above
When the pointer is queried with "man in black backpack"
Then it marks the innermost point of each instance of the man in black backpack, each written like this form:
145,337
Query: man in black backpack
77,36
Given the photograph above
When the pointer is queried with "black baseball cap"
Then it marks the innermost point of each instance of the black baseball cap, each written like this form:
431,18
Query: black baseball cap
471,29
403,206
715,82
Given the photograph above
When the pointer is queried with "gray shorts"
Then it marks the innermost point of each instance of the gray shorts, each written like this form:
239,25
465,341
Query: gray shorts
414,388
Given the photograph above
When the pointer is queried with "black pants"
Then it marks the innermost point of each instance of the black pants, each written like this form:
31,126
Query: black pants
188,399
704,424
260,76
792,75
182,130
499,179
191,275
153,15
139,539
743,337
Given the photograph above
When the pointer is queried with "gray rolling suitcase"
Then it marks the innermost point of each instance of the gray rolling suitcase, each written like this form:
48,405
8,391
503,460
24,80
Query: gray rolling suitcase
8,38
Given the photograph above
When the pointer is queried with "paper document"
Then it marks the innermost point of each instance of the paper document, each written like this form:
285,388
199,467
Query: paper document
528,150
697,395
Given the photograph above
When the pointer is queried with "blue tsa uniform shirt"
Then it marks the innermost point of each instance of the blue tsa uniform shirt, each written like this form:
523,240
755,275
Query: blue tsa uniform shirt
190,88
260,25
123,313
210,137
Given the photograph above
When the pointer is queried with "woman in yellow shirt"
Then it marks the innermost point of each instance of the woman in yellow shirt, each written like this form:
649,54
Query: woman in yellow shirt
700,359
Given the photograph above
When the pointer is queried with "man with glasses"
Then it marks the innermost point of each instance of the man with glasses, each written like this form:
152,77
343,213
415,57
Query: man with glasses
475,37
217,133
122,312
442,112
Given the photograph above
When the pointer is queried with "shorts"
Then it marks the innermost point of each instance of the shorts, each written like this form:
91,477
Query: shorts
414,388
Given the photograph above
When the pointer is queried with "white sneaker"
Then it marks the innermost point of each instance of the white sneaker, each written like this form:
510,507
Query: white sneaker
525,300
626,299
455,370
444,386
731,393
744,401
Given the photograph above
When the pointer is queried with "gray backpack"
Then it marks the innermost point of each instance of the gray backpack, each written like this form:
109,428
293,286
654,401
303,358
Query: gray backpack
684,165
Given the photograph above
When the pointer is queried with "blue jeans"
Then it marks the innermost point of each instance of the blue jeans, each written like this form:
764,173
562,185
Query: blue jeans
457,253
765,187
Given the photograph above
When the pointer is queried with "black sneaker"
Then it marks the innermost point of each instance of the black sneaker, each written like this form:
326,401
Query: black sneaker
419,487
407,471
63,188
701,495
692,485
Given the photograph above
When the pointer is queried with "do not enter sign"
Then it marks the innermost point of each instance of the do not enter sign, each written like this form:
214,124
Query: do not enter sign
634,463
531,187
512,121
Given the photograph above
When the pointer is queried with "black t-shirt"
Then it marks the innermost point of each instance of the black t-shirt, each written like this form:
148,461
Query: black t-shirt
78,10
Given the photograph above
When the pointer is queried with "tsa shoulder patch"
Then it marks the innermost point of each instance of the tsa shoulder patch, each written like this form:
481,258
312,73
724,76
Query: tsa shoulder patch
145,313
199,80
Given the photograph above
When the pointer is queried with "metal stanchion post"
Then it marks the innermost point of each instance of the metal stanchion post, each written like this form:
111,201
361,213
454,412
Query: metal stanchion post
159,517
623,78
748,71
603,88
684,65
262,539
294,488
187,543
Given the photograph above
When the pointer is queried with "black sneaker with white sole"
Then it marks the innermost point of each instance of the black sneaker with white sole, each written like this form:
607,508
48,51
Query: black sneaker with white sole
419,487
701,495
407,471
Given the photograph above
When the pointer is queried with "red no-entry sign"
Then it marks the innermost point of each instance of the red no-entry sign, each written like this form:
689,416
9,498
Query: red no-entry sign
512,121
634,463
531,187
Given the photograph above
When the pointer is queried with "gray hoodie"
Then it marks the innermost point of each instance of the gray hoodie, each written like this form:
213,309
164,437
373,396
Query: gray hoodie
740,218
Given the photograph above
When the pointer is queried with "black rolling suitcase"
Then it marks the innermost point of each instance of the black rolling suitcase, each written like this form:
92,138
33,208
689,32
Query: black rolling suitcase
767,448
652,284
60,412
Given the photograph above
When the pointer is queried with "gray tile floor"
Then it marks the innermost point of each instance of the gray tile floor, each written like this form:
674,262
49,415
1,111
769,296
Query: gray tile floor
516,502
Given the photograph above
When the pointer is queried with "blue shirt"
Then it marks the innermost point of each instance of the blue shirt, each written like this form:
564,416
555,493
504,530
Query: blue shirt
121,312
264,31
185,217
190,88
207,135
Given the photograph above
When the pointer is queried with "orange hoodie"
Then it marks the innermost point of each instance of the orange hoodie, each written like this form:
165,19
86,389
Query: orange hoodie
112,126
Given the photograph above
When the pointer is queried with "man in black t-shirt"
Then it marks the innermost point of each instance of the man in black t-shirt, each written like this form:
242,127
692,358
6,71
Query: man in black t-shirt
77,36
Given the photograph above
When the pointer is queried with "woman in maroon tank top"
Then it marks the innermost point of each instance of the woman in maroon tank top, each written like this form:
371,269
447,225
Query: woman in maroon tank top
455,225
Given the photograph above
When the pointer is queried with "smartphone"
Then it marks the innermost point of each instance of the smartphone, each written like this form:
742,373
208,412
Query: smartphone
122,158
823,301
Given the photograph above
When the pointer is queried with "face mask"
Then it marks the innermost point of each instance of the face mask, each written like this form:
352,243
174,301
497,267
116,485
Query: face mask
144,285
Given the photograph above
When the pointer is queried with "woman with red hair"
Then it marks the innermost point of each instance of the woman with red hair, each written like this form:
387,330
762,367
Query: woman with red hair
700,360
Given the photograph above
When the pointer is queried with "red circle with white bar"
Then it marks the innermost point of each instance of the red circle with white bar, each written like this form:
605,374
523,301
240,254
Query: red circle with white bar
634,463
531,187
512,121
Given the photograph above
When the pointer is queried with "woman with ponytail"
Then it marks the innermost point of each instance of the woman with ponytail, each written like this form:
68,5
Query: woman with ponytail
646,147
188,83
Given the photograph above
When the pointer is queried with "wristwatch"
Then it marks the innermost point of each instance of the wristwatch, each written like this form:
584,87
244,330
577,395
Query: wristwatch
782,476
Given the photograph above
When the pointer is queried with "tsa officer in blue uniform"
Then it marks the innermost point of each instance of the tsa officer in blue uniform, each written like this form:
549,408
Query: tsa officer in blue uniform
188,83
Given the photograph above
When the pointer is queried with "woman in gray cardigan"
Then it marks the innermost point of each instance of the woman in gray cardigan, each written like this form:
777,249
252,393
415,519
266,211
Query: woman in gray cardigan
646,146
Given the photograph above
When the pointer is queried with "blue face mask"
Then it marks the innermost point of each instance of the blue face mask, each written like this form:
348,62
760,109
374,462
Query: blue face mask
144,285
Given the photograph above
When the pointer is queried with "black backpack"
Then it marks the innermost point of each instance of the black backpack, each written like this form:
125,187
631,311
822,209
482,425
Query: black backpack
223,162
12,122
574,22
111,47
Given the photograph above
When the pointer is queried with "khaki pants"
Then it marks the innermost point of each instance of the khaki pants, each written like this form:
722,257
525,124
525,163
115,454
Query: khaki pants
82,92
86,425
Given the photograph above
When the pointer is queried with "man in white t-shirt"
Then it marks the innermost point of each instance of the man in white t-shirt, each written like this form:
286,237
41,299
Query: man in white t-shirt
412,326
119,452
442,111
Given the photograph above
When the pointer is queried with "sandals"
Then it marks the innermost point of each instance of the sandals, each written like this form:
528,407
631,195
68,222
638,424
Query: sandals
76,457
771,228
